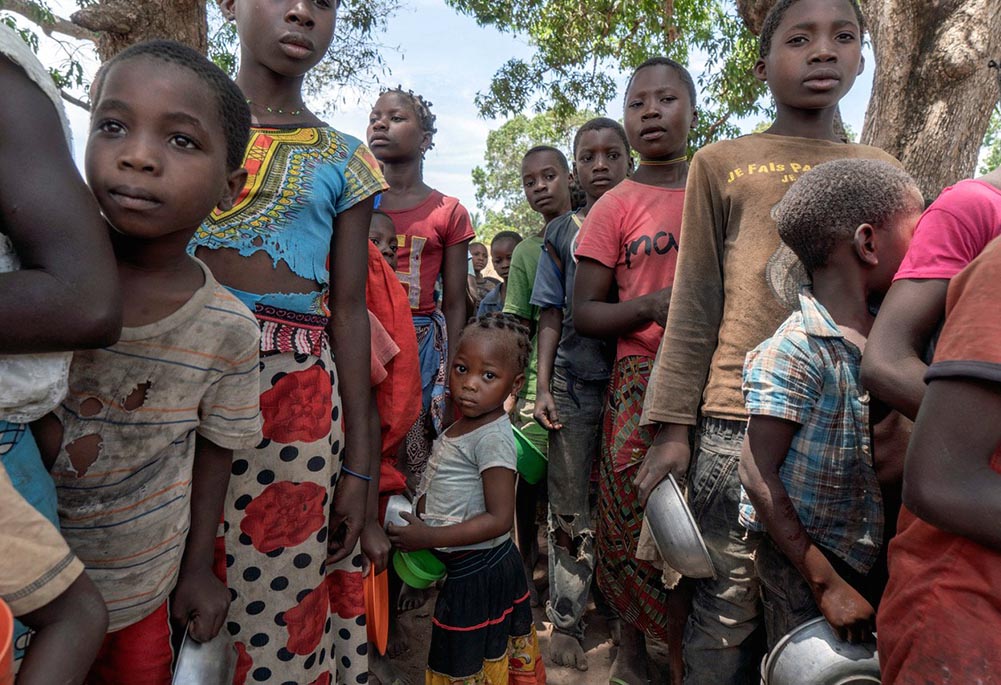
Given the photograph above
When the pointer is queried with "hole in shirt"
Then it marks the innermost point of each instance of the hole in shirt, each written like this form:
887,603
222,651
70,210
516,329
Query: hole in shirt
91,407
137,397
83,452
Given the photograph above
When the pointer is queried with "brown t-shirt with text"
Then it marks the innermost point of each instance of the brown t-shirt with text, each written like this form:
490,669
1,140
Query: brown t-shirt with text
735,282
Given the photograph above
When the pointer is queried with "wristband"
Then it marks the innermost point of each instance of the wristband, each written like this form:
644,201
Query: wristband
345,469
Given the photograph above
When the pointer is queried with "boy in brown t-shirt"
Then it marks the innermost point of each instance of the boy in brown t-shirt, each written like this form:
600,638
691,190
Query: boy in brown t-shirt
735,283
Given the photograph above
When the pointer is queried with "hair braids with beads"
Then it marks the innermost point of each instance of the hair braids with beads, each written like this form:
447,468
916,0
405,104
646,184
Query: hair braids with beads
515,334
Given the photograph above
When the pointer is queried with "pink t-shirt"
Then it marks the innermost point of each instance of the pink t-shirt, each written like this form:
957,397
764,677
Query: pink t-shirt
634,230
953,231
423,233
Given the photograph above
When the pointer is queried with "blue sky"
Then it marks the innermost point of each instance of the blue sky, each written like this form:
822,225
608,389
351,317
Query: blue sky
448,58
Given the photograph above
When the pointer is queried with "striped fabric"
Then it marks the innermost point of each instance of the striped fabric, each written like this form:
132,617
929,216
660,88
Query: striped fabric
808,373
123,473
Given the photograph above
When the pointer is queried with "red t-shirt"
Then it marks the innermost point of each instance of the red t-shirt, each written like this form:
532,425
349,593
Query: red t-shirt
423,233
953,231
940,618
634,230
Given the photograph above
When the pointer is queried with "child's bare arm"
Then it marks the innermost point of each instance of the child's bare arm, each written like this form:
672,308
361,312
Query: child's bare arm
893,366
69,631
200,597
498,491
453,295
948,480
550,330
351,340
764,450
374,543
596,317
57,301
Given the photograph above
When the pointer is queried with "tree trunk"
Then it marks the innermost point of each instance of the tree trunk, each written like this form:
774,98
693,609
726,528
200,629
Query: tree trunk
121,23
933,91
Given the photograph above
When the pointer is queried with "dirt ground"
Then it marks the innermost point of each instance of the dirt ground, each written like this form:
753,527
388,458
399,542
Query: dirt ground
597,645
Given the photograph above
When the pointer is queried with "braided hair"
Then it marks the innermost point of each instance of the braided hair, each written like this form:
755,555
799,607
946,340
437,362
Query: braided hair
234,113
421,107
774,18
504,328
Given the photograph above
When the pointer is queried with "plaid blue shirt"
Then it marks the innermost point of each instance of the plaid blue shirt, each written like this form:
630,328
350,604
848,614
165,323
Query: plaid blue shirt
808,373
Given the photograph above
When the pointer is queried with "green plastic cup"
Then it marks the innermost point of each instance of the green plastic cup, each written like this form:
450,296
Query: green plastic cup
418,569
532,463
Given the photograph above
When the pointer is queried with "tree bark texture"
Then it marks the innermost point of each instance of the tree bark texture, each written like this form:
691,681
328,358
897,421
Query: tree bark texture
121,23
933,92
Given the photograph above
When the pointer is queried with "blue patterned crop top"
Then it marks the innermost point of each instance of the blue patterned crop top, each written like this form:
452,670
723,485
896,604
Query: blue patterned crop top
299,180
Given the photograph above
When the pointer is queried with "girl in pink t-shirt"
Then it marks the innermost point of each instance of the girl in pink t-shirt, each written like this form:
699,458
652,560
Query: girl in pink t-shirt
434,231
630,240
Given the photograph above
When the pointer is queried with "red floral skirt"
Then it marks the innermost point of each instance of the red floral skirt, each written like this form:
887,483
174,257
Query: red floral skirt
292,618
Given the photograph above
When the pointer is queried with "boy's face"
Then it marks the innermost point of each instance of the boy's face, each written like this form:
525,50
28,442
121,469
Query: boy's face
815,56
394,131
289,37
500,253
479,255
546,184
602,161
157,165
659,114
893,241
382,233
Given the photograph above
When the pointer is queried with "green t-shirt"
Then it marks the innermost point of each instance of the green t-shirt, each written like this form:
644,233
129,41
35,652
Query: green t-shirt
518,300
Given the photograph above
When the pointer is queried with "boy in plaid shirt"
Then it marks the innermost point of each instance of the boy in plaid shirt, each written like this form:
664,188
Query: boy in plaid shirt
807,465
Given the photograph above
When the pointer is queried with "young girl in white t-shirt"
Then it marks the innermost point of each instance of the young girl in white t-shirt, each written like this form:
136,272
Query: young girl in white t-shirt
482,627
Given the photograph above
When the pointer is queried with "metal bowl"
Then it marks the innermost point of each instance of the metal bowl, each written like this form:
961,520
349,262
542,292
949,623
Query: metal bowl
396,505
206,663
813,653
675,531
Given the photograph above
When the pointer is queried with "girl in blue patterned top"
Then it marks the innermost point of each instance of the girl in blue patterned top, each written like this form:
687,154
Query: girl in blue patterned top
293,249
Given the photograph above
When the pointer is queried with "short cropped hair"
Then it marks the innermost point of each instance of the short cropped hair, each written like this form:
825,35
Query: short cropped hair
234,112
774,18
506,235
825,206
686,78
548,148
601,124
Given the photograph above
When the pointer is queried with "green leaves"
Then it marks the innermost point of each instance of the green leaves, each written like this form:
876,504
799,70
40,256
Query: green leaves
582,45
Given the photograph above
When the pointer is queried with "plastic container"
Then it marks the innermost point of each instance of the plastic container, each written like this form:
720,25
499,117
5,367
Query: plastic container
377,609
532,463
418,569
6,645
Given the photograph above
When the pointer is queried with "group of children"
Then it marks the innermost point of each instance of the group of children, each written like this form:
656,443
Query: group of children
756,320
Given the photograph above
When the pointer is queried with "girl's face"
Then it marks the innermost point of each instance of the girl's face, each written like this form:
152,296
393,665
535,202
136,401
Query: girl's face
659,113
157,166
482,376
815,56
288,37
394,130
602,161
546,183
500,253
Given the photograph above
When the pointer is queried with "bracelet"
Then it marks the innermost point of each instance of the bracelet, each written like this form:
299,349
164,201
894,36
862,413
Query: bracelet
345,469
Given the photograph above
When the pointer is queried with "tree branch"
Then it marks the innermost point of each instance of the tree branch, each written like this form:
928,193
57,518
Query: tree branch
49,23
85,106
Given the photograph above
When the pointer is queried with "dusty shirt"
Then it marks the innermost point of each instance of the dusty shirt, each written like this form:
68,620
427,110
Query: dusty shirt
123,473
735,281
452,481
